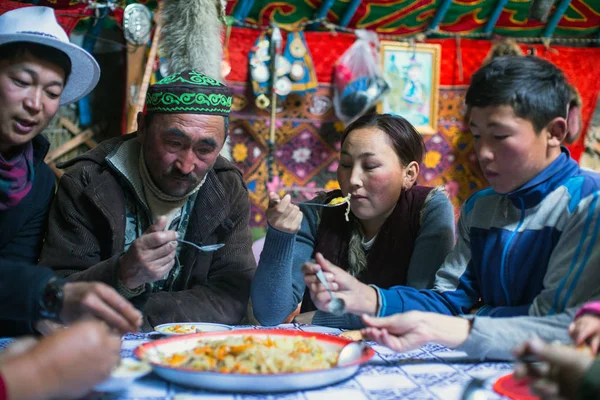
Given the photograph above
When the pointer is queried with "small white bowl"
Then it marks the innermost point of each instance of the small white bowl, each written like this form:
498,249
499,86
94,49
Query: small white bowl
186,328
123,375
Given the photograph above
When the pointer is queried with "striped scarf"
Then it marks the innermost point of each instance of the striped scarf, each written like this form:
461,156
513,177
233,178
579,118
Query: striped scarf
16,178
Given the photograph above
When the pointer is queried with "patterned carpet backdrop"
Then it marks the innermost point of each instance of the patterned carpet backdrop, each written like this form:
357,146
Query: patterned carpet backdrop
308,143
308,134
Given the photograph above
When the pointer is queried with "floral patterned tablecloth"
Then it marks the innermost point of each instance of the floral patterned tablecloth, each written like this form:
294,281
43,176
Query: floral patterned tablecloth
431,372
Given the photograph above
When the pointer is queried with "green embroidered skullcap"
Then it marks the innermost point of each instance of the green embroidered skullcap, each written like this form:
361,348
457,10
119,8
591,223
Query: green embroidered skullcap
189,92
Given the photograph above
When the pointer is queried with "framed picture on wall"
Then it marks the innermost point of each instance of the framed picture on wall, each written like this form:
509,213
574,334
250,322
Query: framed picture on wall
413,73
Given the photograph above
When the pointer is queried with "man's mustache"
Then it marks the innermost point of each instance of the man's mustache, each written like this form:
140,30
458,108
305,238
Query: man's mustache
191,177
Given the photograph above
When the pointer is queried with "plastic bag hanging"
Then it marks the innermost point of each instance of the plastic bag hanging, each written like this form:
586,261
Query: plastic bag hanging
358,79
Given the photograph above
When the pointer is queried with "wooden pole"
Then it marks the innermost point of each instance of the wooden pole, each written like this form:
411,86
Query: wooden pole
138,106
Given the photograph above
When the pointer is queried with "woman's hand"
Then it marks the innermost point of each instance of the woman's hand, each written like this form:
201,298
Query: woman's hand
283,215
359,298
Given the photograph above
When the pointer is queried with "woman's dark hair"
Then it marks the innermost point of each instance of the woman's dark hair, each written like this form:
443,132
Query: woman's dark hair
407,142
12,50
535,88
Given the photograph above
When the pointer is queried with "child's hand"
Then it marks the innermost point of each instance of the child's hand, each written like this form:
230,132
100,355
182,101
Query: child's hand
586,330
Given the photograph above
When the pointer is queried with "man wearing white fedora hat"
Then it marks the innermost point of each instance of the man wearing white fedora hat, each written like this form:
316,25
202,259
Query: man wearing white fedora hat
39,71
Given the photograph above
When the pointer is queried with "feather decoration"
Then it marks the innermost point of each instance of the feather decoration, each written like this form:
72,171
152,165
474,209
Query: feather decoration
191,36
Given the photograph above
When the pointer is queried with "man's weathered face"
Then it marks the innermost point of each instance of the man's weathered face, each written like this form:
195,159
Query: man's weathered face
30,90
180,149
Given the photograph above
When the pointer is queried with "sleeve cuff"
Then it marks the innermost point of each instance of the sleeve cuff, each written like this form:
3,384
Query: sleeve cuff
476,345
379,302
589,308
483,310
129,293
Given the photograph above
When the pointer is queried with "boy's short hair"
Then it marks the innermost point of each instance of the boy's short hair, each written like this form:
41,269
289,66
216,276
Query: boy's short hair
535,88
11,51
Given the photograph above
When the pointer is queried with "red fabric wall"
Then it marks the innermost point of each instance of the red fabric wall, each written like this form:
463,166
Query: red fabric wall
579,64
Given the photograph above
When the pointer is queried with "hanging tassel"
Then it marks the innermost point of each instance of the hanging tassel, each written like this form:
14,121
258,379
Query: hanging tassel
547,48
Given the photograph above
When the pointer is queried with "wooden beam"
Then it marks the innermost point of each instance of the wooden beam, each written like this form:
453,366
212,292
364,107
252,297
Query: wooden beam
57,172
491,22
71,127
440,14
349,13
138,105
71,144
322,13
560,10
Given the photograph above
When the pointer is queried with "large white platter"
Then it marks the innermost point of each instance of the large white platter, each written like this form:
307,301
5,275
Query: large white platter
263,383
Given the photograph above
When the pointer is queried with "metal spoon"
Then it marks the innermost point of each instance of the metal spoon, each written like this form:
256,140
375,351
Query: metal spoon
475,390
208,248
336,305
321,205
350,353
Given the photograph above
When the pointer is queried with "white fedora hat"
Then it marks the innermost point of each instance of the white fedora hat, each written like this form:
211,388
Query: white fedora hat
39,25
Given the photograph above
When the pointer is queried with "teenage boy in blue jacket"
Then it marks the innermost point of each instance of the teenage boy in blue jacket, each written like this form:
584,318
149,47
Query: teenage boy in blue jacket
528,250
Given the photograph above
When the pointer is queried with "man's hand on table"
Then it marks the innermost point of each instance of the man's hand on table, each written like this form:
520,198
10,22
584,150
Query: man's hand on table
410,330
359,298
150,257
100,301
64,365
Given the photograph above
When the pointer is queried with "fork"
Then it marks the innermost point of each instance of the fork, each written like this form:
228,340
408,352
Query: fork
306,203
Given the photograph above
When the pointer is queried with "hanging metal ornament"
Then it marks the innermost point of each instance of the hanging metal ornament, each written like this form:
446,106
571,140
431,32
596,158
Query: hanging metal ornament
283,86
297,48
262,101
260,73
137,22
297,71
282,66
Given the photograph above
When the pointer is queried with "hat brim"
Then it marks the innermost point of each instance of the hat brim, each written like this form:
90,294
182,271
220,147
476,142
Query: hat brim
85,71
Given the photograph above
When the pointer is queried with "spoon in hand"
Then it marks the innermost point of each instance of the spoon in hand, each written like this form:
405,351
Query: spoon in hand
309,204
350,353
336,305
207,248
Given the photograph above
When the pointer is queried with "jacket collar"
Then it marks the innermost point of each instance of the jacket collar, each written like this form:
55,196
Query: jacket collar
554,175
211,208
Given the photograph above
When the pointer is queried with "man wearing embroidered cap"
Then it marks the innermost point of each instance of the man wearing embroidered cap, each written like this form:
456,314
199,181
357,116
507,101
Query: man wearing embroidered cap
121,207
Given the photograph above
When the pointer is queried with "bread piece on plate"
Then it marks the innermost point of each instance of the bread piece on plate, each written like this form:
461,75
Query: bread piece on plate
352,335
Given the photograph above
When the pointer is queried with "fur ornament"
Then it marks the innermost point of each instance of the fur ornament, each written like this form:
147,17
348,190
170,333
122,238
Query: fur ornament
504,47
191,36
